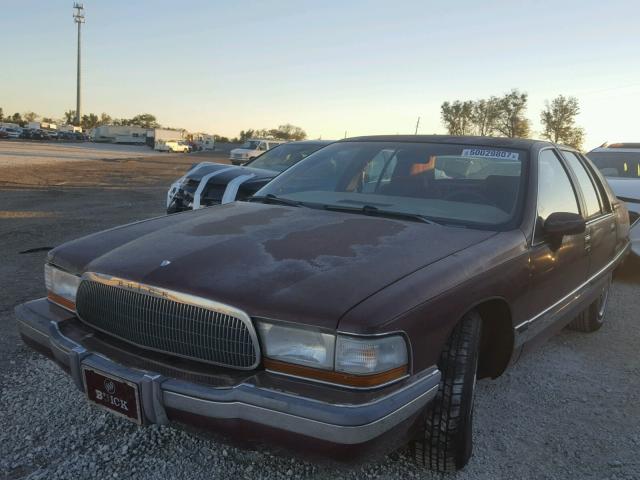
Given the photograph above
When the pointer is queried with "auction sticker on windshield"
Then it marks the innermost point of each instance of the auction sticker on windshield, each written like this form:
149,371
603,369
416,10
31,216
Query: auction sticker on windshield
489,153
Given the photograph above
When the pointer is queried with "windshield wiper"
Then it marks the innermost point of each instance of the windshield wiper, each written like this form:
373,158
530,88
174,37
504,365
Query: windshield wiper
375,211
271,198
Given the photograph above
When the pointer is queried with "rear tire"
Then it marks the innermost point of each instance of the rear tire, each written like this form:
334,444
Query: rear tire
444,443
592,318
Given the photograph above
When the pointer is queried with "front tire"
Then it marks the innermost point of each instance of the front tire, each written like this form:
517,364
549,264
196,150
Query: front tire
592,318
444,443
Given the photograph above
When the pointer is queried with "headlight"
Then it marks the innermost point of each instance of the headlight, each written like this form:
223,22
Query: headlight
61,287
295,345
341,359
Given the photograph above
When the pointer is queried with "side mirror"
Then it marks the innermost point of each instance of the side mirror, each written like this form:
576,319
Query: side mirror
559,224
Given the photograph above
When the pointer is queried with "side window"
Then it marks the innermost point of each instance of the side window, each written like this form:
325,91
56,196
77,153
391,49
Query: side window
555,191
262,146
591,198
599,182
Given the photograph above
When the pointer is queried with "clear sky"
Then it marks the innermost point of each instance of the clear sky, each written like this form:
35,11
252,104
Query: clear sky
365,67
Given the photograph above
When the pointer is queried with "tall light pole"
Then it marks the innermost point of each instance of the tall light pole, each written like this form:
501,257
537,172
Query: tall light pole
78,17
417,125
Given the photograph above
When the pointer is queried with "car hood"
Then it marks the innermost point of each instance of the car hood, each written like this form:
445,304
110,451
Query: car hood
627,190
293,264
242,150
227,173
625,187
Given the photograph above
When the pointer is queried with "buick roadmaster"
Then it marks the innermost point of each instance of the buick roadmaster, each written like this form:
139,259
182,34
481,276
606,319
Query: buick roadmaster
350,306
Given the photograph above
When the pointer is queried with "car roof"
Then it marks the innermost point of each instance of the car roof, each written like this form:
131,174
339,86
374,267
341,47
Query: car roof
520,143
618,147
313,142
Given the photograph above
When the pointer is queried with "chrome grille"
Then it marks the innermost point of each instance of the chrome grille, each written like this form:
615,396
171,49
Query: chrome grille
155,319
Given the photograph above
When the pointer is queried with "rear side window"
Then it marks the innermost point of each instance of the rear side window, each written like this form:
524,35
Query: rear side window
591,198
555,191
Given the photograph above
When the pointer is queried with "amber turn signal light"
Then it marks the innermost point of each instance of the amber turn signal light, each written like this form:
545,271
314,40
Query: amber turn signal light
339,378
61,301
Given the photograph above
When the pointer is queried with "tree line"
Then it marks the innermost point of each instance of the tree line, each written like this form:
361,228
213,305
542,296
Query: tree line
506,116
283,132
87,122
147,120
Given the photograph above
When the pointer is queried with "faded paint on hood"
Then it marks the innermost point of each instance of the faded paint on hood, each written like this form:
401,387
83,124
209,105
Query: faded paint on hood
293,264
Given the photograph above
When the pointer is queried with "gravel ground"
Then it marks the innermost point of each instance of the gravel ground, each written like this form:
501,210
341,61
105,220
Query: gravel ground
20,152
568,410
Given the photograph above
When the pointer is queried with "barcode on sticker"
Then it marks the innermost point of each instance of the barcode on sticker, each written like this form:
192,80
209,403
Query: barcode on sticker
484,152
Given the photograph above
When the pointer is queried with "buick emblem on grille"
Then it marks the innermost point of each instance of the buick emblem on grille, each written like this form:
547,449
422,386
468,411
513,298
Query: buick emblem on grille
164,263
109,386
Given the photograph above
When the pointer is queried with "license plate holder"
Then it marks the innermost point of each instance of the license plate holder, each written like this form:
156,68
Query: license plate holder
112,393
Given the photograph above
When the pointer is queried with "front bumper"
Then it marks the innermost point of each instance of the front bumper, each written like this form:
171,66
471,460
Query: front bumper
354,418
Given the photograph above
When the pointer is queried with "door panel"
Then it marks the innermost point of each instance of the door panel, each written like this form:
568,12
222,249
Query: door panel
601,224
555,273
602,236
556,268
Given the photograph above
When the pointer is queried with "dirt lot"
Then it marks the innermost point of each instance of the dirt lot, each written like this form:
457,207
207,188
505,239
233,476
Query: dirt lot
569,410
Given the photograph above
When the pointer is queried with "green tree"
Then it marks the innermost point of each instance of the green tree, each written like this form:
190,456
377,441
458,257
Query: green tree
90,121
485,115
47,120
144,120
246,135
559,121
511,121
17,118
289,132
29,116
1,114
69,117
104,119
457,117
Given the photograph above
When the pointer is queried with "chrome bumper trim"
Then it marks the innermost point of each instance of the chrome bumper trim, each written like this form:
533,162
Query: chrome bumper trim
339,423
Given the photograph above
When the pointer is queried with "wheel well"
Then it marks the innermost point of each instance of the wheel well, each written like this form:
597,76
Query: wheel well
496,340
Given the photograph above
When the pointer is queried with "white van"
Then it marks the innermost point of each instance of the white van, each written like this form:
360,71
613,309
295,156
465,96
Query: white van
251,149
172,146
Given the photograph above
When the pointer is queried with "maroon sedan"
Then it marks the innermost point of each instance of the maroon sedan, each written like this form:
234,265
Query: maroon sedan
350,306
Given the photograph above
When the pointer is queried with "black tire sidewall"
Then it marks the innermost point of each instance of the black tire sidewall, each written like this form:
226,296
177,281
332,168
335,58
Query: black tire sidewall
464,441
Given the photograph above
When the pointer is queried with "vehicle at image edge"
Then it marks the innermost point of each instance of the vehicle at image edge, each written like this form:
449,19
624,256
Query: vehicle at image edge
251,149
209,183
350,306
620,164
173,146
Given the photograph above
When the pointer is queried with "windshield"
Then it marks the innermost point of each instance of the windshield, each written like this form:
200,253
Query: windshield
251,144
282,157
454,184
617,164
